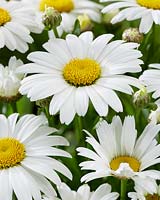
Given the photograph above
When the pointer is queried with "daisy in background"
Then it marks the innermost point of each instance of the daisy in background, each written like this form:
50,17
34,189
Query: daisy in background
103,192
16,23
142,194
10,80
25,149
70,10
146,10
151,79
80,69
119,153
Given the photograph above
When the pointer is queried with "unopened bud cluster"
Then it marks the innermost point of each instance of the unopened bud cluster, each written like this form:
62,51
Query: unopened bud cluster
132,35
51,18
141,98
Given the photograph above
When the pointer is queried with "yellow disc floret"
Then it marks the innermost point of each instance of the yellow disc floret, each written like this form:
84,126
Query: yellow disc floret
81,72
133,163
4,16
59,5
12,152
153,4
152,197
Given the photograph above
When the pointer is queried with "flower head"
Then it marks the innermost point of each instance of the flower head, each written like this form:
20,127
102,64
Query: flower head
10,80
146,10
25,149
151,79
83,69
16,23
119,153
83,193
142,194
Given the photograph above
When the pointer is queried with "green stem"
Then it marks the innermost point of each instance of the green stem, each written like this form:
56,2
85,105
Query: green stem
49,117
55,32
14,197
14,107
123,189
78,128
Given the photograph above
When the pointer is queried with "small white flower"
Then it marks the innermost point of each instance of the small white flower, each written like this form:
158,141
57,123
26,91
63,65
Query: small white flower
10,80
119,153
146,10
80,69
83,193
151,79
16,23
69,9
25,163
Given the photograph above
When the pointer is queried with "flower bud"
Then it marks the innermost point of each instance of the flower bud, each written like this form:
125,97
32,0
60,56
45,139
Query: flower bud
141,98
51,18
132,35
85,22
108,16
43,102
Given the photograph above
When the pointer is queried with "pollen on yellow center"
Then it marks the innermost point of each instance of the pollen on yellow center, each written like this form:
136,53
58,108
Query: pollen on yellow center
61,6
4,16
81,72
152,197
153,4
133,163
12,152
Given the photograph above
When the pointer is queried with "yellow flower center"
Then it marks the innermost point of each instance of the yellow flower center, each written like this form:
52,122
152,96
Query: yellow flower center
81,72
4,16
152,197
133,163
154,4
60,5
12,152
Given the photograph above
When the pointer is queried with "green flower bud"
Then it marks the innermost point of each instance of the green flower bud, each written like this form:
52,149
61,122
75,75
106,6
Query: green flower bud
51,18
108,16
141,98
85,22
43,102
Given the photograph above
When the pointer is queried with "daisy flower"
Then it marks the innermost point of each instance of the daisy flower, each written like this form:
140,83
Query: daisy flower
69,9
151,79
10,80
16,23
146,10
142,194
80,69
119,153
83,193
25,150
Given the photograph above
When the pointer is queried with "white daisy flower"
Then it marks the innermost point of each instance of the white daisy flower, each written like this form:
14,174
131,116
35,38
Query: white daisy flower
16,23
25,162
146,10
83,193
78,69
69,9
142,194
151,79
10,80
119,153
